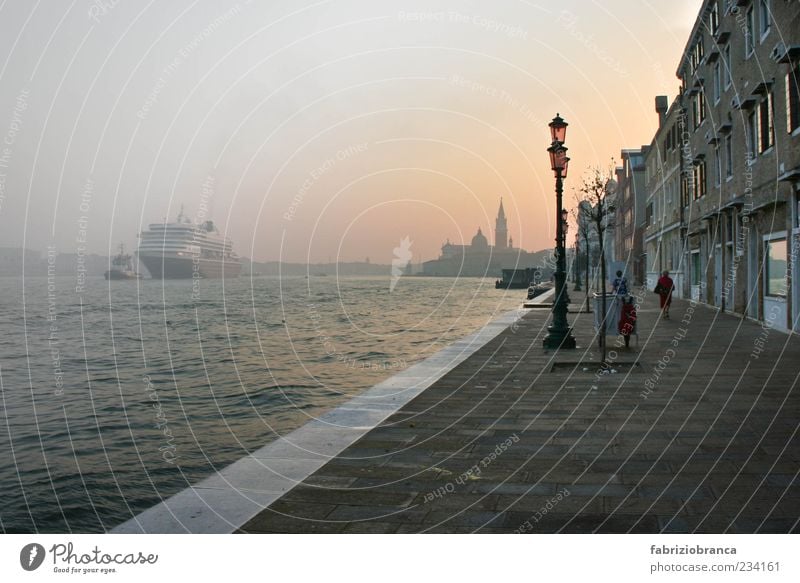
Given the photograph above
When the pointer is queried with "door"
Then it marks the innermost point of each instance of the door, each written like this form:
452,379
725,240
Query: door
718,276
795,282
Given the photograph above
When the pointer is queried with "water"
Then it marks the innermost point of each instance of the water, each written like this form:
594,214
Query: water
116,399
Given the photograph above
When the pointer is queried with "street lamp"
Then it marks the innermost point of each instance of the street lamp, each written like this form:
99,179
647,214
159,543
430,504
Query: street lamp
576,263
559,334
564,232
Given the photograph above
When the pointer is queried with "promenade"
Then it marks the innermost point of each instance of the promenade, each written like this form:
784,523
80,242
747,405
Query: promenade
694,429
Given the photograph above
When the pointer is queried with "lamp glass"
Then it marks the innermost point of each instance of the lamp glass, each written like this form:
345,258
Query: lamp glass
558,157
558,129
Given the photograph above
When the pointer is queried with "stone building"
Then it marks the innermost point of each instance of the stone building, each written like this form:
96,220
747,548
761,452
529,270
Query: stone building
739,81
731,135
663,239
629,223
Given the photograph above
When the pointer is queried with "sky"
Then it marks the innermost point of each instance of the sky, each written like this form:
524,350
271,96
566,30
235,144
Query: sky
314,130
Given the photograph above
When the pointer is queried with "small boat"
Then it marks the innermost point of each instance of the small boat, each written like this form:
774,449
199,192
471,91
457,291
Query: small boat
122,267
518,278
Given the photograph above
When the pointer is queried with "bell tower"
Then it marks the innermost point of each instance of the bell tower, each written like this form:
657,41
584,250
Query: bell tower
501,228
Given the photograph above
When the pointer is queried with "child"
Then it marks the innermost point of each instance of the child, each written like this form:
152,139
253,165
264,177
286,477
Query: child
627,320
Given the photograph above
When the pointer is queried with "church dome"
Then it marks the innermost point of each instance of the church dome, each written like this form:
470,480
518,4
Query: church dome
479,241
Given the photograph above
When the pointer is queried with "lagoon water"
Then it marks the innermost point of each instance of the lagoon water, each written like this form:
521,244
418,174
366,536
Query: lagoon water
119,397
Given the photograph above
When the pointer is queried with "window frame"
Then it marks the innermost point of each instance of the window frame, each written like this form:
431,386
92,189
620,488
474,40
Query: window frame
728,156
766,123
751,135
764,15
727,73
697,267
792,82
713,18
699,180
768,241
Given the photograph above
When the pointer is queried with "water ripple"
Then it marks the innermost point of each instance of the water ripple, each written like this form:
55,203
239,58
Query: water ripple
208,381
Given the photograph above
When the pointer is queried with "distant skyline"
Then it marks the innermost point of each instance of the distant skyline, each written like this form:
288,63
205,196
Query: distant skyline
316,131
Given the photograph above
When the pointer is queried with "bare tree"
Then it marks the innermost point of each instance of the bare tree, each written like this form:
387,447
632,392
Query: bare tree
596,208
584,226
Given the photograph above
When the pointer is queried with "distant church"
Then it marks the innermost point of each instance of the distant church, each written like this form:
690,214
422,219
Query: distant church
479,259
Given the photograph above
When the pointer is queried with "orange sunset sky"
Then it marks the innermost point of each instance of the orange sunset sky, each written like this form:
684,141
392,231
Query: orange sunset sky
321,130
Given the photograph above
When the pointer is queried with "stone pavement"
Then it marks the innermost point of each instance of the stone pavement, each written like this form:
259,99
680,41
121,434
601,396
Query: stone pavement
693,430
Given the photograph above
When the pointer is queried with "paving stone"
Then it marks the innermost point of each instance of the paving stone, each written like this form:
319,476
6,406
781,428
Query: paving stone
710,448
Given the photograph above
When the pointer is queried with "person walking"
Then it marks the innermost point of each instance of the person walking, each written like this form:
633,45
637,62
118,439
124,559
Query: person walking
620,285
664,289
627,320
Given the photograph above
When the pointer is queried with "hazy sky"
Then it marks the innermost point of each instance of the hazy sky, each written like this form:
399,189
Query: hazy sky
317,129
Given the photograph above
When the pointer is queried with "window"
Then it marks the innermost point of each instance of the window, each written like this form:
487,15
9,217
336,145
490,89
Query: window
793,99
701,105
764,18
697,54
796,222
698,109
726,66
717,167
730,226
713,19
685,186
696,270
752,135
729,156
749,28
717,82
765,124
699,180
775,266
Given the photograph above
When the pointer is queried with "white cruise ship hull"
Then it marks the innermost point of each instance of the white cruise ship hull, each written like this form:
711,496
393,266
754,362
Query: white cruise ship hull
171,267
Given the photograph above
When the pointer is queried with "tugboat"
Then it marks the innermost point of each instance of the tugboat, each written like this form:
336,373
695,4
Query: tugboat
122,266
518,278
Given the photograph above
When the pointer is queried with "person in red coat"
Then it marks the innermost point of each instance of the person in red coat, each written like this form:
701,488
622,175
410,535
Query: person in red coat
664,290
627,320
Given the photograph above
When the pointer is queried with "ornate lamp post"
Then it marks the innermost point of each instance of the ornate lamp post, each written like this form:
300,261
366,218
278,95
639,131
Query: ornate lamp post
577,263
564,232
559,334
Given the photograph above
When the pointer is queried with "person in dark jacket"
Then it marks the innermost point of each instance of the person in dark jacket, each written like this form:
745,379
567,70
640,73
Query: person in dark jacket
664,289
620,285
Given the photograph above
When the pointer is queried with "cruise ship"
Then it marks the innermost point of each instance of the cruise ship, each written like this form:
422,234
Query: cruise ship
183,249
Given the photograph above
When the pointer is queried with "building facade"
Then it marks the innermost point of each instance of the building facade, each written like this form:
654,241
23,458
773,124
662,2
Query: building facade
739,79
663,238
732,140
629,222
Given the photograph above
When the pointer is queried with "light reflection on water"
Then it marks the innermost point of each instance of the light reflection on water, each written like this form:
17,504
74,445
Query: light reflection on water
157,391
